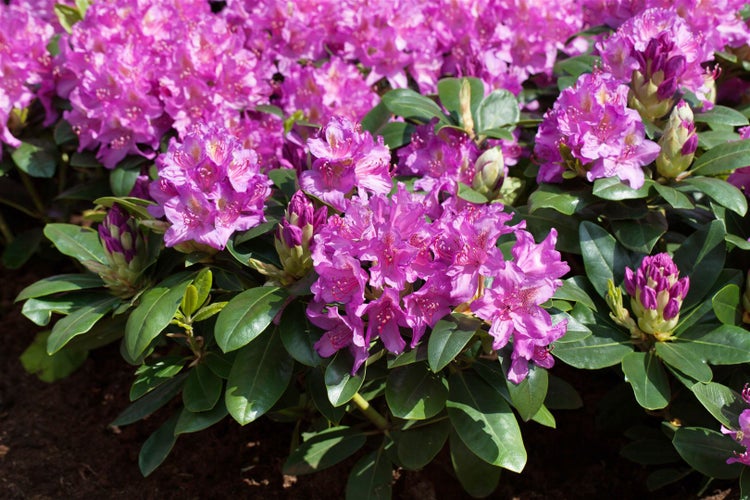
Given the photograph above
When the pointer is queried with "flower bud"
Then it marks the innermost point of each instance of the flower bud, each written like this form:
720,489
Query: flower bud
656,293
654,86
489,171
464,100
125,250
678,144
295,234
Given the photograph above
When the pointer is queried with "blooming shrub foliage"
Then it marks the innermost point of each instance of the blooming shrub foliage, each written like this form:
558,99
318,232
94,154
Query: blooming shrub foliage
410,209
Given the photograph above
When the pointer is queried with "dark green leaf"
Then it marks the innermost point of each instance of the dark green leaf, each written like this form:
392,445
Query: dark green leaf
22,248
541,221
555,197
299,335
701,256
498,109
712,138
81,243
151,376
202,389
561,395
339,381
37,161
721,402
151,402
411,105
414,392
156,309
612,188
485,422
577,65
157,447
122,180
723,159
646,374
602,258
725,345
674,197
79,321
447,340
193,422
650,452
85,159
316,388
247,315
324,449
53,367
683,357
408,357
417,447
745,484
376,118
722,115
707,451
370,478
663,477
605,347
284,179
721,191
528,396
396,134
572,290
259,376
40,311
478,478
726,304
60,283
642,234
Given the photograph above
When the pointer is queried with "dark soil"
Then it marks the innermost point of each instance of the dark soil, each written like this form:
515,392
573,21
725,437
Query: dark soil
55,442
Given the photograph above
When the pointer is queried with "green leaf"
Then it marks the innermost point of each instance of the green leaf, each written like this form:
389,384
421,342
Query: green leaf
477,477
299,335
561,395
340,384
745,484
663,477
722,115
555,197
22,248
413,106
498,109
151,402
541,221
408,357
414,392
135,206
209,311
640,235
723,159
720,401
157,447
485,422
259,376
709,139
324,449
60,283
202,389
707,451
247,315
683,357
602,258
151,376
79,322
370,478
189,422
605,347
67,16
649,380
465,192
156,309
726,305
612,188
447,340
577,65
316,388
572,290
376,118
544,417
650,452
721,191
396,134
40,311
528,396
673,197
418,447
701,256
81,243
449,90
725,345
37,161
122,180
49,368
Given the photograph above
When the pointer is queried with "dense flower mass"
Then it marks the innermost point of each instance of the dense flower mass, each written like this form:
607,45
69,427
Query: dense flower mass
590,129
741,435
209,186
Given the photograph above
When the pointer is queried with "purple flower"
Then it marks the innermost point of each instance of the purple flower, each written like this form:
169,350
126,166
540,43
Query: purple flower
590,129
384,317
740,178
741,435
209,187
656,293
295,233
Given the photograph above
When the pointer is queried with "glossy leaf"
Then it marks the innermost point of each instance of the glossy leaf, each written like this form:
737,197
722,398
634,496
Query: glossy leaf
418,447
725,345
722,402
485,422
723,158
157,447
81,243
640,235
701,256
316,388
726,305
605,347
151,401
498,109
646,375
60,283
683,357
477,477
339,381
247,315
156,309
202,389
260,375
370,478
411,105
79,322
612,188
324,449
555,197
414,392
529,395
722,192
707,451
299,335
40,311
447,340
673,197
602,258
152,375
189,421
722,115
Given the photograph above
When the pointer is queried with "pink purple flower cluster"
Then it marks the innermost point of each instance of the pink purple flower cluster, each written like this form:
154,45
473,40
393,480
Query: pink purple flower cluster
209,186
25,63
741,176
591,129
386,269
741,435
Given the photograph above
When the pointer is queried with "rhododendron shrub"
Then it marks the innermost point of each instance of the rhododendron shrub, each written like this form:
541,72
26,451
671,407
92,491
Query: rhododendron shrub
391,222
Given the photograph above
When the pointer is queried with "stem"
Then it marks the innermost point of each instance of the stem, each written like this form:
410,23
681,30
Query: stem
370,412
32,192
5,230
20,208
